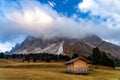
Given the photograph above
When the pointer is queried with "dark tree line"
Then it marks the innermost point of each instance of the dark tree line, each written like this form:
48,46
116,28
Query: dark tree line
37,57
101,58
2,55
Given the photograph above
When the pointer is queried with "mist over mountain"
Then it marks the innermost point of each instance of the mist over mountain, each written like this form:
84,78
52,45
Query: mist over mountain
49,19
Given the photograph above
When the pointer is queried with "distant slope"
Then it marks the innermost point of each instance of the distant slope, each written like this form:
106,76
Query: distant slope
110,48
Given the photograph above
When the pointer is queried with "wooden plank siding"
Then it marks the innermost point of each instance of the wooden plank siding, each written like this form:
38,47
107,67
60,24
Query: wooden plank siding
80,67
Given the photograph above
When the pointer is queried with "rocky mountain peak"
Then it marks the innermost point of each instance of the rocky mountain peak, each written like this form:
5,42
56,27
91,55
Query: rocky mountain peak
65,45
94,40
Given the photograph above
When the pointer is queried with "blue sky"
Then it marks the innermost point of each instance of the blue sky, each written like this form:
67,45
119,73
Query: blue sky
58,18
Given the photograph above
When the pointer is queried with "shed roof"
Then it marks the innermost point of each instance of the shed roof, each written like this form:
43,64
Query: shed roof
72,60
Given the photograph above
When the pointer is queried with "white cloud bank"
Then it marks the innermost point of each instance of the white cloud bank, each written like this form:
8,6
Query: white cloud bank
5,46
36,19
108,10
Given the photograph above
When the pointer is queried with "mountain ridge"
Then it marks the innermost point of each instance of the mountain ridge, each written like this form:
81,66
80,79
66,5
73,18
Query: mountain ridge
66,46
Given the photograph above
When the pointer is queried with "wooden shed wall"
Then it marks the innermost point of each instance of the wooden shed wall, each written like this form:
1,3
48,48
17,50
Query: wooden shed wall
70,68
80,66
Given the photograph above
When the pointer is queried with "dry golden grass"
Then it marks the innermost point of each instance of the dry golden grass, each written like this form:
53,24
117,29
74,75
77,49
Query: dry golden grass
12,70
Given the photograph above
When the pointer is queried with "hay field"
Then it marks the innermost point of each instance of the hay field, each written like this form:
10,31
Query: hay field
15,70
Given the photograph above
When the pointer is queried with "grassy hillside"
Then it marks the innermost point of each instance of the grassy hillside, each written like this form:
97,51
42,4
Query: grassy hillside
14,70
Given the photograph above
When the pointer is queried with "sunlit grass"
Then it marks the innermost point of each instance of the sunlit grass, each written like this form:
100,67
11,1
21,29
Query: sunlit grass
12,70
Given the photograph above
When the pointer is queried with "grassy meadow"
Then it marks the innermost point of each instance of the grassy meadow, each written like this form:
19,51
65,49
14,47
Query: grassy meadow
16,70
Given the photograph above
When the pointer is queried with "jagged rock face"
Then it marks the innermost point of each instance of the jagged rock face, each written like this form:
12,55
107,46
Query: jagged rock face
83,48
65,46
39,45
37,42
17,46
93,40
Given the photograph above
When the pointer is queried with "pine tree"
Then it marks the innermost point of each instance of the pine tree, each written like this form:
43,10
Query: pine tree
75,55
96,56
2,55
106,61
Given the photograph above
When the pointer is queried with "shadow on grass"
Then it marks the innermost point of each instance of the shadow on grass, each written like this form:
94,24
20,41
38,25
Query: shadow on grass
65,72
33,66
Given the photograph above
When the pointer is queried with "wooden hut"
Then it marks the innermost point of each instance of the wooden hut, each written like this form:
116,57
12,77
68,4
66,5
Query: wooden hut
78,66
